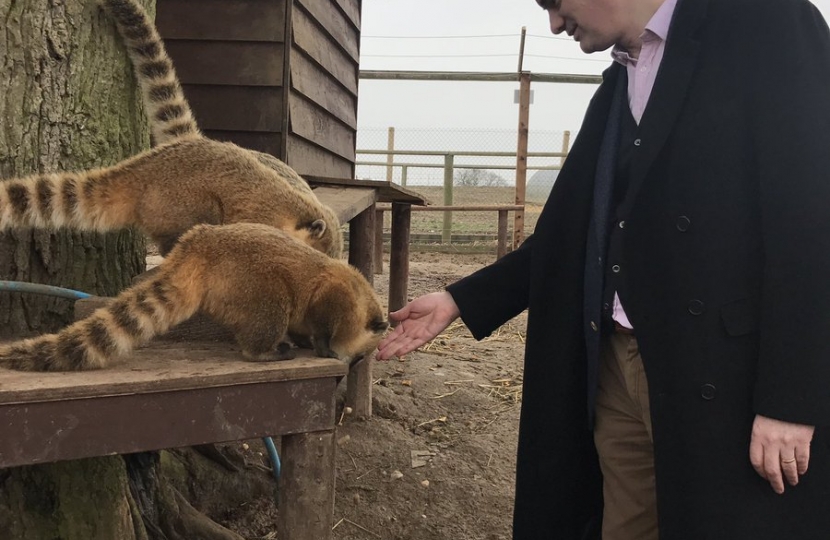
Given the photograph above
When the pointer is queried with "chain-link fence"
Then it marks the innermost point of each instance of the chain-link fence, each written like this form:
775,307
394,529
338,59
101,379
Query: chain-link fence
461,168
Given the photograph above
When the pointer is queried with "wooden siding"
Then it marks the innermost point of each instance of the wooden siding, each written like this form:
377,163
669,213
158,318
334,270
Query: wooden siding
232,59
221,20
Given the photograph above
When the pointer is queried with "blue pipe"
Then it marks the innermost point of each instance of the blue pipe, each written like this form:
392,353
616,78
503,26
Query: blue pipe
37,288
51,290
275,457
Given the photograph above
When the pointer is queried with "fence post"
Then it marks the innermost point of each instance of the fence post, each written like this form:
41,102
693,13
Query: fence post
390,157
405,170
521,156
566,144
446,232
501,248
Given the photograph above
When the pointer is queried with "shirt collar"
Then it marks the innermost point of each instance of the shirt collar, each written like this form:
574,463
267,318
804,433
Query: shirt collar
656,29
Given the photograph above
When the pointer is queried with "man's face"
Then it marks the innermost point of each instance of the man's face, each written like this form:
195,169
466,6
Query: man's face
595,24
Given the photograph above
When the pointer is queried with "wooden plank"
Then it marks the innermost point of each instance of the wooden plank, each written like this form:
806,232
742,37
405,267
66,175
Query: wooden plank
521,157
236,108
306,488
387,191
240,20
318,87
338,26
41,432
346,202
378,257
163,367
310,40
228,62
399,256
262,141
319,127
352,9
311,160
501,246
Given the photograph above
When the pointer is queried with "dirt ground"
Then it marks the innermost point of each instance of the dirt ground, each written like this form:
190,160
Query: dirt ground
437,459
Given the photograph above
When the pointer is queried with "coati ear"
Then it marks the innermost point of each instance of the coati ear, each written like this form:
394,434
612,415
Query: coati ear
317,228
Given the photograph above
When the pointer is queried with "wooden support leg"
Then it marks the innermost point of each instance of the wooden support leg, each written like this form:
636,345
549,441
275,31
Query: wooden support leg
361,242
359,388
399,255
361,251
378,242
306,491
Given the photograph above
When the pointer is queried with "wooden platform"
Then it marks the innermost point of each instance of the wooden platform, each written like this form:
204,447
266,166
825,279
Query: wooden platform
171,395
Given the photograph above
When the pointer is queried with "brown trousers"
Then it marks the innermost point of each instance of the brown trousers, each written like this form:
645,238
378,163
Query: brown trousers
622,435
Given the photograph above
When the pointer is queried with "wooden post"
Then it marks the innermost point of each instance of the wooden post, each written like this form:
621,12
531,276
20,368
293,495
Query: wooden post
566,144
522,49
501,249
390,157
521,156
399,255
405,170
361,252
306,491
446,232
378,259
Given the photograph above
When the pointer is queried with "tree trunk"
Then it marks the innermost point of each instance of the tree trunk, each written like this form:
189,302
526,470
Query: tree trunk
68,101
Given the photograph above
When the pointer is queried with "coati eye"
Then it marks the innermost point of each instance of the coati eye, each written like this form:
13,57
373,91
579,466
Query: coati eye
378,325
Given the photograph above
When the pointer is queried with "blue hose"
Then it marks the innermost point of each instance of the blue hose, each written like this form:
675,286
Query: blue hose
275,457
51,290
37,288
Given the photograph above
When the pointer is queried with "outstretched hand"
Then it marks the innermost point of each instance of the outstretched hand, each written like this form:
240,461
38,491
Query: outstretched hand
418,322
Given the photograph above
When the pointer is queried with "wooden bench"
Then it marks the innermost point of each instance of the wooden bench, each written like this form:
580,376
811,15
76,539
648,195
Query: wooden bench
171,395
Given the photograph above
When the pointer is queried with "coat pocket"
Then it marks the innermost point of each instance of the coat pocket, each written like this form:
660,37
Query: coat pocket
740,317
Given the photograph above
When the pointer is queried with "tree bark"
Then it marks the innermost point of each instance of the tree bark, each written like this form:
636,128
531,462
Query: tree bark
68,101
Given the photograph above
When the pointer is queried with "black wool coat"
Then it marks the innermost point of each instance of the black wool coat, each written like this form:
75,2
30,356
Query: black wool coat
726,257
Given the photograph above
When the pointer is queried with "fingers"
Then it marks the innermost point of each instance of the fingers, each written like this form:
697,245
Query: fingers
802,458
780,451
789,467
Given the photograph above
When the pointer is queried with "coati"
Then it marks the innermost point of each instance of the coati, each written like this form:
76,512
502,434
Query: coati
186,180
252,278
169,112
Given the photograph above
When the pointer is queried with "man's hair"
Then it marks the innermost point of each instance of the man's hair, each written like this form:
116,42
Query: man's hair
549,4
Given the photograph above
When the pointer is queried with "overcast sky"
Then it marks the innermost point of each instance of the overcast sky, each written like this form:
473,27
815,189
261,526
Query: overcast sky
394,38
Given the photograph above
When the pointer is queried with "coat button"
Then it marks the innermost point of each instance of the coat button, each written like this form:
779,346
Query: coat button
594,326
708,392
622,224
616,268
696,307
606,306
638,142
683,223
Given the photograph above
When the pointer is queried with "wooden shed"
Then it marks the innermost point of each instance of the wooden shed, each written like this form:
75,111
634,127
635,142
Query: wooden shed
279,76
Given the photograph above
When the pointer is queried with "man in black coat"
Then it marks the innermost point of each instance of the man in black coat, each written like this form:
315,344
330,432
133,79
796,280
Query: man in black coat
696,238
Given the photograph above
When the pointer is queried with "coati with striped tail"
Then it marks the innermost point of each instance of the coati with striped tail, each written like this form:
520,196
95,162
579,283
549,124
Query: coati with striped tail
252,278
186,180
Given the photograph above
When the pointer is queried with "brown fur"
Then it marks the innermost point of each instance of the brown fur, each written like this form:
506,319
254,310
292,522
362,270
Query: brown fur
252,278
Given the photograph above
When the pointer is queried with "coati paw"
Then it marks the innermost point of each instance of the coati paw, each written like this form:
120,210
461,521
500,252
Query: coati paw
283,352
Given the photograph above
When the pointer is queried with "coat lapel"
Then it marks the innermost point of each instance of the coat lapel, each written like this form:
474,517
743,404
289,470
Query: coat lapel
669,92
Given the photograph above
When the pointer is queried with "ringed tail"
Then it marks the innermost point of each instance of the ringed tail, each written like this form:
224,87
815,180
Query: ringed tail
132,319
80,200
169,113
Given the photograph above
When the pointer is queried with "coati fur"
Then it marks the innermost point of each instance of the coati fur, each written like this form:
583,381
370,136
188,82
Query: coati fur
170,115
188,179
252,278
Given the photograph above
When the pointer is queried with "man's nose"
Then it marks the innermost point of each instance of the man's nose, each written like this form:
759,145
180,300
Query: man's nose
557,22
